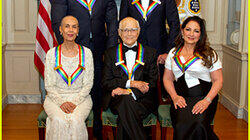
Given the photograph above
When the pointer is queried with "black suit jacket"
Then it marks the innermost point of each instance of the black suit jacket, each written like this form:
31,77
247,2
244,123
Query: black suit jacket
114,76
153,30
103,12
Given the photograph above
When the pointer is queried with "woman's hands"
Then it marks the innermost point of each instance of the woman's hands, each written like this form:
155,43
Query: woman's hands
200,106
68,107
179,101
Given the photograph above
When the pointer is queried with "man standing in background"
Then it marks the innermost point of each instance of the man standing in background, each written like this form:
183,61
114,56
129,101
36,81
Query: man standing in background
98,29
153,15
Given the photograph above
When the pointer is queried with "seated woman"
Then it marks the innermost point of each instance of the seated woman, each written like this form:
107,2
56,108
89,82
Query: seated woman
193,78
68,81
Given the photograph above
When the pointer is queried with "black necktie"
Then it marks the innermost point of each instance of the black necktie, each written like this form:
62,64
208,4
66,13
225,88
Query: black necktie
125,48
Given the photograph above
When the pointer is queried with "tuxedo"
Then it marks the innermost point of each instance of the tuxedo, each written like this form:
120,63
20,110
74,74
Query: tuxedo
131,111
92,34
153,29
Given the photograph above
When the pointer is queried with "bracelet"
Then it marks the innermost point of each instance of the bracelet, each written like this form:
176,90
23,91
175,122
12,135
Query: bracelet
208,99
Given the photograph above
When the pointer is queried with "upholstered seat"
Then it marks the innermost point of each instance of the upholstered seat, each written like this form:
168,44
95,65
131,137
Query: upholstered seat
164,119
41,123
109,121
164,115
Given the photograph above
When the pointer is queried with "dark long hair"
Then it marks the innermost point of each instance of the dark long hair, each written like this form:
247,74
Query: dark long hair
202,47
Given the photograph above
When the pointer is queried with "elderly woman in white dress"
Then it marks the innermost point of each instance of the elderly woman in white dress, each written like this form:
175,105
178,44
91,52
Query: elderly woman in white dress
68,81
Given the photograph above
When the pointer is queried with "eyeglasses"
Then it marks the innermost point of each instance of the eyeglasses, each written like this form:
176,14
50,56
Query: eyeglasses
127,30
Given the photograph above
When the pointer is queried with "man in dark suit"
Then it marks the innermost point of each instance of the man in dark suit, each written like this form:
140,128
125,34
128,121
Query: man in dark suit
93,16
153,22
129,81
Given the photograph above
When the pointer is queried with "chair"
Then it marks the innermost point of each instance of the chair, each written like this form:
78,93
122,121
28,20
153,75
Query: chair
109,122
164,119
41,123
41,120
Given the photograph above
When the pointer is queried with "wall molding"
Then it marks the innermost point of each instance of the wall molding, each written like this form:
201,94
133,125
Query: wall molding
217,47
4,102
235,53
24,98
19,47
232,106
245,114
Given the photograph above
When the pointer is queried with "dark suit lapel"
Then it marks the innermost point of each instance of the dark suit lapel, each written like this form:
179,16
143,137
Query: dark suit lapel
151,1
122,71
83,4
138,11
94,7
138,72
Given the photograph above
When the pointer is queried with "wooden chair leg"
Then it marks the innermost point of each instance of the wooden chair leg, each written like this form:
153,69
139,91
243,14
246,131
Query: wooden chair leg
163,133
153,131
106,131
212,126
115,132
41,132
90,133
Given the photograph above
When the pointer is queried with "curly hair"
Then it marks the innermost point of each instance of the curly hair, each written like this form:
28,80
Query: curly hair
202,47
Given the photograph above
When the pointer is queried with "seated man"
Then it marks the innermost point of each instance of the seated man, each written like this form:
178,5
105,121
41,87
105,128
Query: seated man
129,81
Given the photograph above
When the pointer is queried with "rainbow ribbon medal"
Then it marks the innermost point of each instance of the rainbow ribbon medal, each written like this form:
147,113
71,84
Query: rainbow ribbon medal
138,62
58,66
187,64
146,12
87,5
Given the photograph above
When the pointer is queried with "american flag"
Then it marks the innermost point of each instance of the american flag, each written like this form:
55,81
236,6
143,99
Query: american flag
44,35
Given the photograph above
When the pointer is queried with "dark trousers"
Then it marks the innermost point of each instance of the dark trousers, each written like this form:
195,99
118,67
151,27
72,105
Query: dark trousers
130,118
96,93
164,93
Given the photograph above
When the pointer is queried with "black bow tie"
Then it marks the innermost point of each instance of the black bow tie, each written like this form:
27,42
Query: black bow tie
125,48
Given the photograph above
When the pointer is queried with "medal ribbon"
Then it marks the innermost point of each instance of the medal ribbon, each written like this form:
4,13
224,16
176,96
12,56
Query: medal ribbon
143,12
187,64
58,66
87,5
138,62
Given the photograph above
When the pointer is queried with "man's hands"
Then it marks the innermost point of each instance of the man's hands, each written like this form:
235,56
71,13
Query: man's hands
119,91
142,86
161,58
68,107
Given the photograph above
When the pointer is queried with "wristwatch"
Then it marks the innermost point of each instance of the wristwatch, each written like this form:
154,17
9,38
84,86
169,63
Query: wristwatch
129,91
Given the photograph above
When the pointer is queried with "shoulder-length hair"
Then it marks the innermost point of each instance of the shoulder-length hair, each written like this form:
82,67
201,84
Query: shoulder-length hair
202,47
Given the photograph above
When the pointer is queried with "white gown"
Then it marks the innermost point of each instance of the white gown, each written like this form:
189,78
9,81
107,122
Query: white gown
59,125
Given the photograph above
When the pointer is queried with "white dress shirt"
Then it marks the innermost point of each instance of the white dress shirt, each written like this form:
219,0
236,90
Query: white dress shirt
145,4
90,35
195,71
130,57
